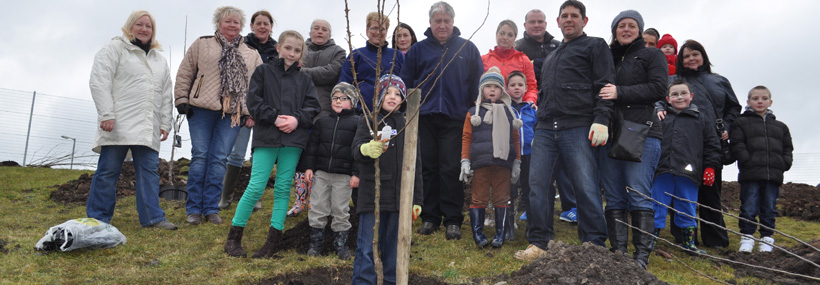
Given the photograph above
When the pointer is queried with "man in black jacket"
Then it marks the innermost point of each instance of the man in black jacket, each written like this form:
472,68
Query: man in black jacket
537,44
572,121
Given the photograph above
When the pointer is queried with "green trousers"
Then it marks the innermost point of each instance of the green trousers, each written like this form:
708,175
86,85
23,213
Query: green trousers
264,158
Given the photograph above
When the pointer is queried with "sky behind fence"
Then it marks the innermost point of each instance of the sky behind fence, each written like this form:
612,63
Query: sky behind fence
55,116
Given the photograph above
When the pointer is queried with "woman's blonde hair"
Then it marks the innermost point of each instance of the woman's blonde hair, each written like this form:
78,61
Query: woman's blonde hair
374,16
224,11
291,33
126,29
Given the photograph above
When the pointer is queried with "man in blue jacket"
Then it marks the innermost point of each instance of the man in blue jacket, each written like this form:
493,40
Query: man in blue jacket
446,95
572,121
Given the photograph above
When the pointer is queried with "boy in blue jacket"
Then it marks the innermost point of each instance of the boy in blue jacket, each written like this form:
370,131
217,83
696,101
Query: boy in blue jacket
517,87
763,148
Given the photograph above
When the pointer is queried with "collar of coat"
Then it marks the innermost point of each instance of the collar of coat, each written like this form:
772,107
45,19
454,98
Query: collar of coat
313,46
547,38
431,37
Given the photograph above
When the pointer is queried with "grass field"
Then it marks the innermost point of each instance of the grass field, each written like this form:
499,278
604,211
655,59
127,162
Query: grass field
193,254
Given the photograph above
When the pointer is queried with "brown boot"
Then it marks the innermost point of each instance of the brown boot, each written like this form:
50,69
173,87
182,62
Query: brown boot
233,246
274,236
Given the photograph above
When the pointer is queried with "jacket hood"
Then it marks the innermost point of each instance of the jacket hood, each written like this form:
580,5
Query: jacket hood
280,62
692,110
131,46
747,111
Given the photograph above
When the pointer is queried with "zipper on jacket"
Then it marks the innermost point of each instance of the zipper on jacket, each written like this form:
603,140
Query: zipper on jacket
768,161
199,86
333,140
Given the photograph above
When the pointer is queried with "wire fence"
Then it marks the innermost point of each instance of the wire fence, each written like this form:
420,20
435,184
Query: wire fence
56,122
56,116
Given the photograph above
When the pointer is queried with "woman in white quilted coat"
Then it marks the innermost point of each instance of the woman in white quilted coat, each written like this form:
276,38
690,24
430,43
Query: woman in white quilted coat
131,86
212,82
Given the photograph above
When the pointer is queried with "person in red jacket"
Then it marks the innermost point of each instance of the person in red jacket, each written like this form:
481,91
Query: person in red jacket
507,59
669,47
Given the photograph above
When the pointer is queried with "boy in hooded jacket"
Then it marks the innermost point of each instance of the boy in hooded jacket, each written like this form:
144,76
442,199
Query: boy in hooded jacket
490,149
389,149
763,148
329,164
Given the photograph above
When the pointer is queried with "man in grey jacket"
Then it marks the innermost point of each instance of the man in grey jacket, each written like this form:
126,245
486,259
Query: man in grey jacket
323,61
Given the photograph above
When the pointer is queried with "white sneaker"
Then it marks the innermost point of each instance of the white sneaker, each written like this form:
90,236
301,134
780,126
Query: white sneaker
747,244
765,244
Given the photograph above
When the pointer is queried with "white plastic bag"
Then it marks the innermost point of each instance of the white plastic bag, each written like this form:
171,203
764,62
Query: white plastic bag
80,233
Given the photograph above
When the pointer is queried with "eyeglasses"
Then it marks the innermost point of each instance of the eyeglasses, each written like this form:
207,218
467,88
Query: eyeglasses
340,98
681,95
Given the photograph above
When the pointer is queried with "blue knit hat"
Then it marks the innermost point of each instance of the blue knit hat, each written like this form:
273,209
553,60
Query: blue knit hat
388,80
493,76
628,14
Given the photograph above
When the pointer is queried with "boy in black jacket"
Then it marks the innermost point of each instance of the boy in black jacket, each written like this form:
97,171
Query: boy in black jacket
391,159
689,147
763,148
329,159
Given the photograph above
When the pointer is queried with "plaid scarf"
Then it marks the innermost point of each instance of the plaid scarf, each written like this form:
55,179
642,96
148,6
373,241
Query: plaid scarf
234,75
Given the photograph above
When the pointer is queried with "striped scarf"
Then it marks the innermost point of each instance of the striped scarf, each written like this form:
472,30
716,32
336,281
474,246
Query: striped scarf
234,75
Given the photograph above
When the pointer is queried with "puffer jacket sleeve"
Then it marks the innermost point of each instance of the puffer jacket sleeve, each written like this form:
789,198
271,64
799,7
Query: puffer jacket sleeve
255,61
532,81
737,139
167,109
102,79
328,73
258,108
363,136
186,73
653,88
788,147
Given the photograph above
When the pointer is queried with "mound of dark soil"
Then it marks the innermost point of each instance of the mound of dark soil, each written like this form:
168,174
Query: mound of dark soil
76,191
578,264
9,163
333,275
778,259
298,237
799,201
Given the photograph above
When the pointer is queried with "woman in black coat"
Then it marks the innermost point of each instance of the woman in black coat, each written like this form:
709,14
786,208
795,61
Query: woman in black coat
640,80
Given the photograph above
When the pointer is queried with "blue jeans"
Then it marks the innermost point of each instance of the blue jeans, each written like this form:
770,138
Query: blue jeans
757,199
579,158
616,175
103,194
364,268
212,137
681,187
240,147
564,187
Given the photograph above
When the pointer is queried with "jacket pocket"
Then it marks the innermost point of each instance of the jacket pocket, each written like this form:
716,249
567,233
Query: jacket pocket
579,95
199,85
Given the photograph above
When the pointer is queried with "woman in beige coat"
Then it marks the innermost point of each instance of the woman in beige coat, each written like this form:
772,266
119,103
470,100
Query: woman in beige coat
212,82
131,86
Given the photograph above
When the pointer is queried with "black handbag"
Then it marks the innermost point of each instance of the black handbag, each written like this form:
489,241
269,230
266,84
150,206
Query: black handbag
629,140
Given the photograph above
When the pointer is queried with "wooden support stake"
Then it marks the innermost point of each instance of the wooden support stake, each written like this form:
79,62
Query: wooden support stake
408,179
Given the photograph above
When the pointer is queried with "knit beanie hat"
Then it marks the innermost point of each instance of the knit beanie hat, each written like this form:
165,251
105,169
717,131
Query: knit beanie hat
493,77
628,14
388,80
348,90
668,39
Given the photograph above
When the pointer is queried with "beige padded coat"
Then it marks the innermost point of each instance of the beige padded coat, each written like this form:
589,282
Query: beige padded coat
198,80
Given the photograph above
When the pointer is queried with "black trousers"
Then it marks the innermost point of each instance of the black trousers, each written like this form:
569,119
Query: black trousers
440,146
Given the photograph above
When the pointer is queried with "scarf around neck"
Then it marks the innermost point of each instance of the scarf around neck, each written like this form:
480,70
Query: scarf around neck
234,77
497,117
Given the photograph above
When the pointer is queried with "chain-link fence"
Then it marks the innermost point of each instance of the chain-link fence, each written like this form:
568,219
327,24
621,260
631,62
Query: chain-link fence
56,122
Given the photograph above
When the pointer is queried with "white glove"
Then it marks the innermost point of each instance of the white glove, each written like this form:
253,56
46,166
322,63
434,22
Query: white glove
598,134
516,171
466,173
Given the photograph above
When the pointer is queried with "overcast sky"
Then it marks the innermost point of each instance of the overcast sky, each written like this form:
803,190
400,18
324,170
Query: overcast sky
50,45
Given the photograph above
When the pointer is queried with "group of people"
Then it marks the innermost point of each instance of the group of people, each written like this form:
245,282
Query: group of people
540,113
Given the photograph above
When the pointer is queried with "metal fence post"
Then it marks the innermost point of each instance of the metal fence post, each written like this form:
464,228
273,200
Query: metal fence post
28,133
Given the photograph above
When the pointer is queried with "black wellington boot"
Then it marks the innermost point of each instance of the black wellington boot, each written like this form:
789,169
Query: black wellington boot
643,242
509,233
274,236
228,185
501,221
317,238
618,232
477,224
233,246
340,244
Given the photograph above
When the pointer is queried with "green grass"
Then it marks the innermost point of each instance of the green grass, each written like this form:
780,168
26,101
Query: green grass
193,254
